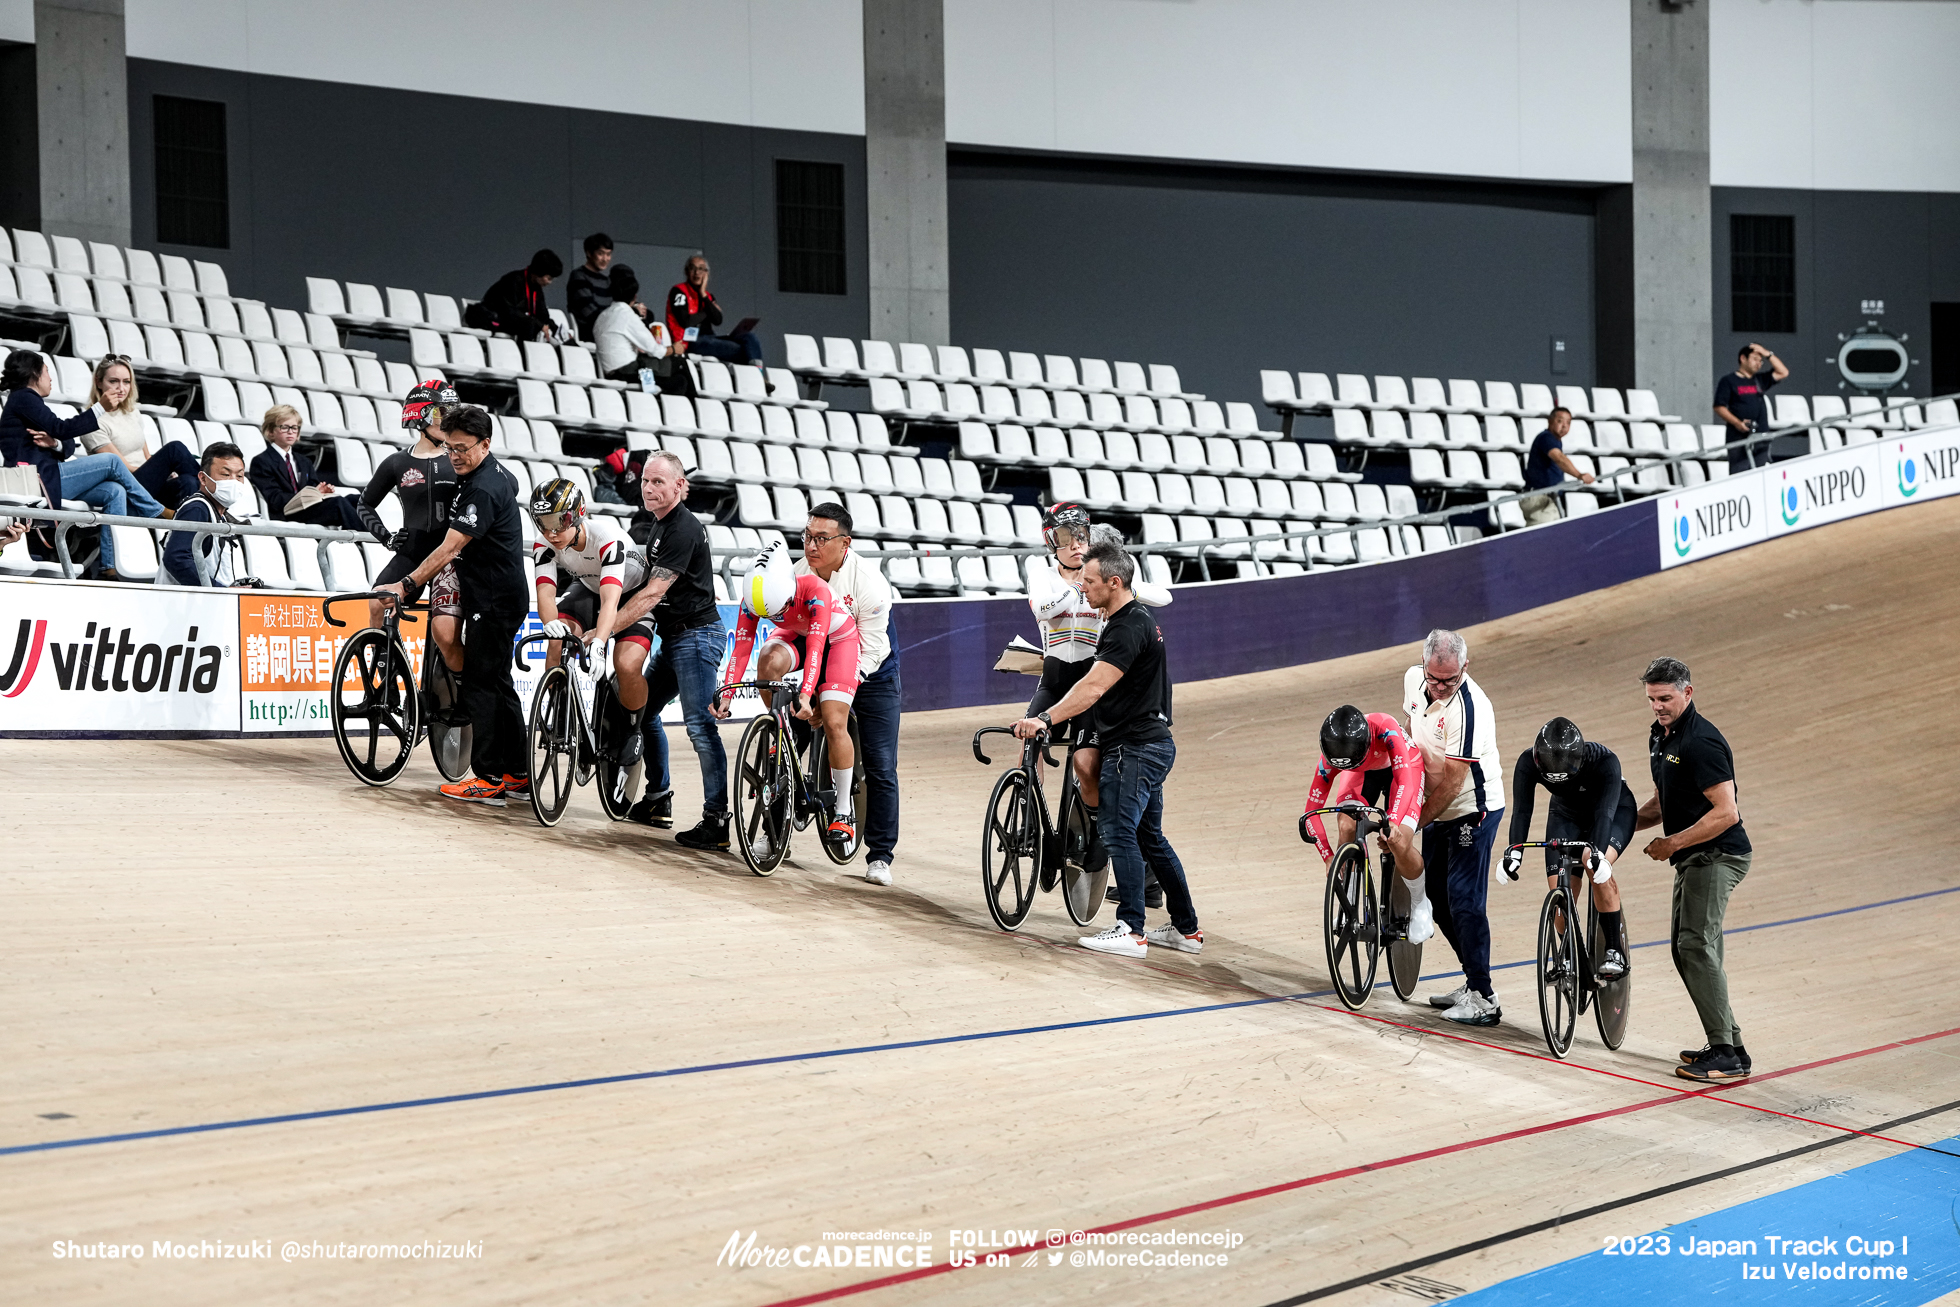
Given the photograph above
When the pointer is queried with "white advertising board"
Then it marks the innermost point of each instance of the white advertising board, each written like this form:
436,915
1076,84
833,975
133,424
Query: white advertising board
1710,519
1829,487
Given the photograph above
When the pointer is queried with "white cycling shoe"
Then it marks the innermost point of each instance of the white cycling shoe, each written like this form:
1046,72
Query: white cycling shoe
1422,921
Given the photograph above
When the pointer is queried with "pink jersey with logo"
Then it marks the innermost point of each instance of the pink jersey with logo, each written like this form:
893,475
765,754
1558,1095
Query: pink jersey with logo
1389,747
813,614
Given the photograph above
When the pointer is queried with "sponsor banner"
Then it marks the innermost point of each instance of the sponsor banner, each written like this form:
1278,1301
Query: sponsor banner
288,658
85,657
1830,487
1710,519
1922,466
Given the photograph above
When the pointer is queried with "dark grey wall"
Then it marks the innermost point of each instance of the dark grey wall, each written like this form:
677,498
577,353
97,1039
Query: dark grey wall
1227,271
1900,247
20,138
445,193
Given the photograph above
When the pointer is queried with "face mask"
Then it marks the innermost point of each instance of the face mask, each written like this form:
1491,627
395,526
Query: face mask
230,493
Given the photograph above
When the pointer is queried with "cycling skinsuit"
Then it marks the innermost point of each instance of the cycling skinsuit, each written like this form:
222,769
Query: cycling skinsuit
1593,804
830,642
423,484
1070,630
606,556
1392,764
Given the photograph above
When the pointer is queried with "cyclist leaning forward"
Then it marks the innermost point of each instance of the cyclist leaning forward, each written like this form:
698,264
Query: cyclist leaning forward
1591,802
423,481
1370,757
802,606
1070,629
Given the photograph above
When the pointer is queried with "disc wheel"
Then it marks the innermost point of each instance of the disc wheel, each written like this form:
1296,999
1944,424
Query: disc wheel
449,740
1010,851
1082,890
375,710
820,778
1351,924
1612,1001
1558,972
763,780
1404,958
554,746
616,784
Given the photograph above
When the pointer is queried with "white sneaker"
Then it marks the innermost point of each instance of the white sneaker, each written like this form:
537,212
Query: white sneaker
1169,936
1450,999
1118,940
1475,1010
762,847
878,873
1422,921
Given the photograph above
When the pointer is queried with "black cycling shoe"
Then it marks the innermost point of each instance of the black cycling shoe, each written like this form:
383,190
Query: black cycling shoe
653,812
712,833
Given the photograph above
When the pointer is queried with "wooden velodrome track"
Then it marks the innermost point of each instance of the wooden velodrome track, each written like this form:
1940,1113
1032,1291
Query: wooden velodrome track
209,933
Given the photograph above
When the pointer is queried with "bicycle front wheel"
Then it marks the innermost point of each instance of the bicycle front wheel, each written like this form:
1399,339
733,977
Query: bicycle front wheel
1010,851
1082,890
1351,926
1613,1001
1558,972
553,740
763,779
374,707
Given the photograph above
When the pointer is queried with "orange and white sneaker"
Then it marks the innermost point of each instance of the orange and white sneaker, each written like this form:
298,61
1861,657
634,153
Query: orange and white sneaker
488,793
517,787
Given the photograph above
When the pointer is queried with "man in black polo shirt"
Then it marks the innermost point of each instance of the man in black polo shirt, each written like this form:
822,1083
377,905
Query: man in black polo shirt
486,542
1742,402
680,593
1694,802
1129,687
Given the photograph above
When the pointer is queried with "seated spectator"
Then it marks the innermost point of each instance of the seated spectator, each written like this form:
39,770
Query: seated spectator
690,308
222,495
588,289
625,344
283,475
31,434
171,472
514,305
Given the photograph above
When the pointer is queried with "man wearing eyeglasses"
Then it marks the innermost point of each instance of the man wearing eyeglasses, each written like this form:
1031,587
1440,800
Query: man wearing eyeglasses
1451,721
867,597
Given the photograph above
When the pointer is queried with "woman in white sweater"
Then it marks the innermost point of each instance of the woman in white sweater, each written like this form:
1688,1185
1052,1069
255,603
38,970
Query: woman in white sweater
170,474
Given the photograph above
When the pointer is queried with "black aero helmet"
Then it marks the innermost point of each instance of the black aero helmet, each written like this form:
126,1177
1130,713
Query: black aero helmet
557,504
1345,737
1068,516
1560,750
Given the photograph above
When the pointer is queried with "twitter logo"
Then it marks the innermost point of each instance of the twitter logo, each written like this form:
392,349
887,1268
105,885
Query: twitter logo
1054,1259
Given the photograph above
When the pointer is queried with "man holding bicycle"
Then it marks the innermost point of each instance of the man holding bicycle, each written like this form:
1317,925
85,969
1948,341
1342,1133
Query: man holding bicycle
1368,757
1590,801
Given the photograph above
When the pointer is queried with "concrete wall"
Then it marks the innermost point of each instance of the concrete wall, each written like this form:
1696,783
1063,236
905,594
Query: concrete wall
82,115
905,168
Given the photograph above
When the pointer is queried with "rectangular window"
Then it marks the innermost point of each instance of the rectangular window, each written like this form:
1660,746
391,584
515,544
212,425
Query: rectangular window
809,227
193,194
1762,272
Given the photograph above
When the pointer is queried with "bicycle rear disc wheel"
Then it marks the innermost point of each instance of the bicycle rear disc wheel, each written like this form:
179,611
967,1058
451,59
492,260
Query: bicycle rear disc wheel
1613,1001
616,784
449,741
1351,927
1404,958
374,707
1010,851
1558,973
762,795
553,740
1082,890
843,853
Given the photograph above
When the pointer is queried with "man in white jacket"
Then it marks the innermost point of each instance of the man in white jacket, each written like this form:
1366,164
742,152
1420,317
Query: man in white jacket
624,341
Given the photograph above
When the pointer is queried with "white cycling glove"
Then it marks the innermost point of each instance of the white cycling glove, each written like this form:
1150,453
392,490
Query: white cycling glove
1510,864
1602,870
557,628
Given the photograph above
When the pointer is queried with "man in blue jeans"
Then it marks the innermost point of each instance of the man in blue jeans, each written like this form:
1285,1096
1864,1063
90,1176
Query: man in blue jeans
680,594
1129,687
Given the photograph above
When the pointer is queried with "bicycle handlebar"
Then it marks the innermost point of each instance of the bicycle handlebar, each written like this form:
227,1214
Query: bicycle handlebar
1351,809
582,652
1602,871
1040,742
366,595
771,686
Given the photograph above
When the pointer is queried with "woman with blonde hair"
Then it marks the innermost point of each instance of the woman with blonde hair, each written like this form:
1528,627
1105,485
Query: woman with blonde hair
170,474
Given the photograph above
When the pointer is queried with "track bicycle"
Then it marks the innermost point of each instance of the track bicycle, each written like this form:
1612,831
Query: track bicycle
1568,978
565,737
1022,848
378,714
1358,918
775,793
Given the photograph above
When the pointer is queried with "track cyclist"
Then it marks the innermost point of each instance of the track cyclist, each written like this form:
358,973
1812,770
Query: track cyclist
423,482
1370,757
802,606
586,568
1070,629
1590,802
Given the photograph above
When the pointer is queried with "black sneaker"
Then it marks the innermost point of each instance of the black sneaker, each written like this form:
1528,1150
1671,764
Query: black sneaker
1692,1055
1153,893
1717,1063
653,812
712,833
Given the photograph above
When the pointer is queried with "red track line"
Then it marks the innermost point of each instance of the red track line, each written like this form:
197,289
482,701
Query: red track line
882,1282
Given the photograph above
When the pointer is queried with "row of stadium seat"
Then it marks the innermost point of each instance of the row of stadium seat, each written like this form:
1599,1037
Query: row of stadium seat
1348,390
188,352
501,359
1172,492
1862,412
949,364
924,401
1121,452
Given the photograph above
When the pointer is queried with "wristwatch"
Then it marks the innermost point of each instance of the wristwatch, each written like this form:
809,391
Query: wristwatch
1046,720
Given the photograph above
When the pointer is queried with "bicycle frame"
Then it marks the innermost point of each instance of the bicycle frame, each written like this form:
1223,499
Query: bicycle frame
1369,922
1587,989
1049,836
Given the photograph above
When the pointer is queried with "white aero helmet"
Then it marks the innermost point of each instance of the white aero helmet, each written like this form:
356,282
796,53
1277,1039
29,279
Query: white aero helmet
770,584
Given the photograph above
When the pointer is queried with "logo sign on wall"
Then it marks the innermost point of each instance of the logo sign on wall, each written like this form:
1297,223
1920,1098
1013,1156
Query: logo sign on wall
1704,520
288,658
1830,487
1920,467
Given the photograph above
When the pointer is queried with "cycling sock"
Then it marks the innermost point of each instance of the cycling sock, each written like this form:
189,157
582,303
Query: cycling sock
840,783
1418,886
1609,926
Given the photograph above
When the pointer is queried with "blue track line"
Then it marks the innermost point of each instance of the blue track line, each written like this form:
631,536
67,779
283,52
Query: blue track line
630,1077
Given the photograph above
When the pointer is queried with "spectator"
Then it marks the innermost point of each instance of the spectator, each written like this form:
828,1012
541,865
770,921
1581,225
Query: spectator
514,305
625,344
223,495
588,289
1451,721
1547,467
169,474
865,594
690,308
1695,803
31,434
283,475
1742,402
1129,688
